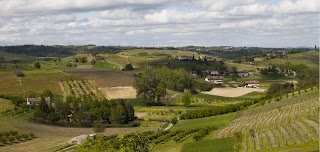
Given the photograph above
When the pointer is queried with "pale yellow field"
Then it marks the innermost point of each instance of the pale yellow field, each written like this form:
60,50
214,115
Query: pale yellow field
126,92
232,92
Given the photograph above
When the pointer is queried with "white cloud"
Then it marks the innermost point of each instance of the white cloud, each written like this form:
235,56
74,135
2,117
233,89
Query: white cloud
160,22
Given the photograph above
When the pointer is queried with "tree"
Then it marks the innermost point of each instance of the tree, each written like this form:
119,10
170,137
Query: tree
37,65
128,67
83,59
186,98
47,93
93,62
234,70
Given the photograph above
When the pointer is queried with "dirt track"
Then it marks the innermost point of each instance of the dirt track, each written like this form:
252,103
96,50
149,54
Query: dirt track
232,92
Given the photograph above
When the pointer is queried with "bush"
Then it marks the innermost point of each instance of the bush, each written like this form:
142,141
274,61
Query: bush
3,139
11,138
174,120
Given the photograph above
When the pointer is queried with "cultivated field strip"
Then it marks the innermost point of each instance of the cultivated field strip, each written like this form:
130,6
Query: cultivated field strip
79,88
289,122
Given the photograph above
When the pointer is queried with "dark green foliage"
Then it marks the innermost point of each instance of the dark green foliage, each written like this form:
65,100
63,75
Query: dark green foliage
37,65
47,93
16,100
279,88
186,98
83,59
128,67
85,112
201,113
269,71
151,83
203,132
174,120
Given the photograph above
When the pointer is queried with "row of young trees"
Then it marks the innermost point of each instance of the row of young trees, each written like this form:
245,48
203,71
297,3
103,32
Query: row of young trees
84,111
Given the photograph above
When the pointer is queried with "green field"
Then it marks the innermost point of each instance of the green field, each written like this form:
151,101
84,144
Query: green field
103,65
213,145
218,121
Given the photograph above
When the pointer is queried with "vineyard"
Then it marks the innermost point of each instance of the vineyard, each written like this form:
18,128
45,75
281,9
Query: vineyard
147,138
79,88
290,121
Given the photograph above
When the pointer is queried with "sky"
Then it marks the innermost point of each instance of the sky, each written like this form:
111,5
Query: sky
259,23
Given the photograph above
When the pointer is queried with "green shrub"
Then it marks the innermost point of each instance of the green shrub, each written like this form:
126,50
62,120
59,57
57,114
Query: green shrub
174,120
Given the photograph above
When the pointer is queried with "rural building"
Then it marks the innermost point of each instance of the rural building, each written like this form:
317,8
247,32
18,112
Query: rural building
184,58
214,73
194,73
214,79
243,74
286,71
37,100
233,84
252,84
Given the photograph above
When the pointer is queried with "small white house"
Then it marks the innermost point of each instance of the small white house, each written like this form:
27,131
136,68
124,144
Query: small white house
252,84
36,101
214,79
243,74
214,73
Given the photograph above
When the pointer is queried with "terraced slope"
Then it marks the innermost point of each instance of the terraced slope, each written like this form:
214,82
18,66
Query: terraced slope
289,122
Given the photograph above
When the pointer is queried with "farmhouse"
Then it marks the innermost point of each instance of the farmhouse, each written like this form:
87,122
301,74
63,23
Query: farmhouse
252,84
214,79
233,84
37,100
194,73
184,58
243,74
214,73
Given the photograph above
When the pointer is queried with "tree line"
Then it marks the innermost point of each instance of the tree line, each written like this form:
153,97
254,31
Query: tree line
84,111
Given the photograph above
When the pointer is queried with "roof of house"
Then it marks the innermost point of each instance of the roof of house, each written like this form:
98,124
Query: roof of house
38,99
251,82
214,77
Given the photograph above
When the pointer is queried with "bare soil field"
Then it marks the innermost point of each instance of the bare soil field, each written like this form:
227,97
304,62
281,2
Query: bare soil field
232,92
127,92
